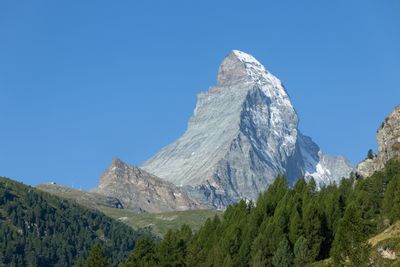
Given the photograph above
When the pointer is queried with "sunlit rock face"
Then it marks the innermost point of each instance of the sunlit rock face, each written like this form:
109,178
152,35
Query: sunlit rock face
140,190
242,134
388,137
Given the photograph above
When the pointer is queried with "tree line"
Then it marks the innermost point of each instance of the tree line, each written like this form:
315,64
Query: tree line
286,226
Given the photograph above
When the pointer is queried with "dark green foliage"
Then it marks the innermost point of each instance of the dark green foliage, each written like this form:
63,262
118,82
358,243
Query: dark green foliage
173,249
79,263
38,229
313,229
350,247
370,154
302,253
97,257
283,256
291,226
285,227
391,198
199,248
144,254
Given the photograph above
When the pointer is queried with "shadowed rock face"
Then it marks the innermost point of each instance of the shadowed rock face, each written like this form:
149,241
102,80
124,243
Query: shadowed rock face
388,137
138,189
243,133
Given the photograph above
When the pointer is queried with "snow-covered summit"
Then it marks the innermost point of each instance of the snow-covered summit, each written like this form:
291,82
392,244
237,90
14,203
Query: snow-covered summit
239,66
249,61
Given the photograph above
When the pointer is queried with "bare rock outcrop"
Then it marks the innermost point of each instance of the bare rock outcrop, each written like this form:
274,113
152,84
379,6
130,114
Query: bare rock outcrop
138,189
388,137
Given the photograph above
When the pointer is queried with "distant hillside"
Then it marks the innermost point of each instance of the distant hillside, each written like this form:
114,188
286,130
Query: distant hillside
87,199
159,223
38,229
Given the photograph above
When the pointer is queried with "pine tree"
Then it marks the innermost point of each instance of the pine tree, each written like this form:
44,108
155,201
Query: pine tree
172,250
97,257
251,230
312,229
370,154
261,250
275,192
143,255
391,201
302,253
350,247
295,226
259,260
283,256
202,242
79,262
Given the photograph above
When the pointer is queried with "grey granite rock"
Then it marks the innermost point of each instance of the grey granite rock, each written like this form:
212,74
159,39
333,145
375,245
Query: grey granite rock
138,189
388,137
243,133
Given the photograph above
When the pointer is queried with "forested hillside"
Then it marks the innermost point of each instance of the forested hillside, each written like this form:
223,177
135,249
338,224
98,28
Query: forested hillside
38,229
288,227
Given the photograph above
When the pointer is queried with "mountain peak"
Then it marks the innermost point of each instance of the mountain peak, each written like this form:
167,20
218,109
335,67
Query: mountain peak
243,133
239,66
140,190
117,162
247,59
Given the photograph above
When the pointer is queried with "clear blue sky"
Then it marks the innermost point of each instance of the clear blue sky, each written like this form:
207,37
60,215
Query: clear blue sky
82,82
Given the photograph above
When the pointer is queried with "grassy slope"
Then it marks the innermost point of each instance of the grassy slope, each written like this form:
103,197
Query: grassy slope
388,240
324,263
160,223
87,199
392,231
387,244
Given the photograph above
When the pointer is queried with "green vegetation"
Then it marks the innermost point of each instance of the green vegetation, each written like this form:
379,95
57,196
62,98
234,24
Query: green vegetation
38,229
91,200
144,254
370,154
283,256
349,246
160,223
97,257
337,225
298,226
387,242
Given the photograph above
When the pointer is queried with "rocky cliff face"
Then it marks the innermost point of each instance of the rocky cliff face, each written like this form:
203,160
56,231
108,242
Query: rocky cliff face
388,137
140,190
243,133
